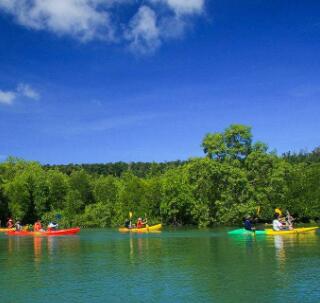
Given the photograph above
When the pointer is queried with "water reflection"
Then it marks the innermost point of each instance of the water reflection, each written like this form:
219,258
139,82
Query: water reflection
280,250
14,244
138,246
37,248
52,245
286,244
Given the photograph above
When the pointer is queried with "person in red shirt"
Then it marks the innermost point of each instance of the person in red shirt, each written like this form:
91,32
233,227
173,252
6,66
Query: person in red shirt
37,226
140,223
10,223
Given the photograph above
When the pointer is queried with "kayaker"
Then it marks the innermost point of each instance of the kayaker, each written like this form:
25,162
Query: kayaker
140,223
278,211
127,223
52,226
18,226
248,224
289,220
276,224
10,223
37,226
281,217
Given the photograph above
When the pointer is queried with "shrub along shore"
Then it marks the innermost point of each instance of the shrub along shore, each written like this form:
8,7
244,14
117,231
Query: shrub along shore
235,177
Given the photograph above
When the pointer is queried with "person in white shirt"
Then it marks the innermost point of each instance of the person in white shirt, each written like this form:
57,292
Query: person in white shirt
52,226
277,225
18,226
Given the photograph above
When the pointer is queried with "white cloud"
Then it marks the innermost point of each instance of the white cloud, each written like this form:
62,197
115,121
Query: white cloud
27,91
22,90
7,97
183,7
145,29
78,18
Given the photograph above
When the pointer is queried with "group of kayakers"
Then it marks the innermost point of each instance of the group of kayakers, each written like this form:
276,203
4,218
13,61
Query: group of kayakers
36,227
280,222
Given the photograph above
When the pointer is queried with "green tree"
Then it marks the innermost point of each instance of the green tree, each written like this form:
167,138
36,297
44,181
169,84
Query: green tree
57,189
235,143
177,197
214,146
238,139
27,193
131,196
80,182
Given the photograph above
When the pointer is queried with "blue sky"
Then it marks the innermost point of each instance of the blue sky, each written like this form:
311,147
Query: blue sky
88,81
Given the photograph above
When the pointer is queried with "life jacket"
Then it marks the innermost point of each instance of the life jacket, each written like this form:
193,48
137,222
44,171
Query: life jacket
37,226
139,224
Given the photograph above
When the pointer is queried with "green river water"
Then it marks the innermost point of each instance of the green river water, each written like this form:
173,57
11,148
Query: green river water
103,265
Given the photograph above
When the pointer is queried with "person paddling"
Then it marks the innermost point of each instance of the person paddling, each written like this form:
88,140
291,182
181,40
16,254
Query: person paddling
289,220
277,225
140,223
127,223
52,226
248,224
18,226
37,226
10,223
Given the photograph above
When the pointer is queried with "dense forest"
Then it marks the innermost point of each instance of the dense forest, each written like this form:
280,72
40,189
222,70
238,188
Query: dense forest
235,177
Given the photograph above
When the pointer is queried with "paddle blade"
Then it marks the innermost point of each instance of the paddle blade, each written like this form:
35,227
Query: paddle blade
258,210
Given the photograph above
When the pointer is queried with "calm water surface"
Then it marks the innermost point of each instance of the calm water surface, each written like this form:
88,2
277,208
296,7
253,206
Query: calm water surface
172,266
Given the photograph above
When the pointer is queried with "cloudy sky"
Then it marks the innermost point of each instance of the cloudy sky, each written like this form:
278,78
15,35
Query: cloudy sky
87,81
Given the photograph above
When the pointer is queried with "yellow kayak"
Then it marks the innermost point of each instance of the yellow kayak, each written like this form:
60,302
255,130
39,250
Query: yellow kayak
4,230
142,230
299,230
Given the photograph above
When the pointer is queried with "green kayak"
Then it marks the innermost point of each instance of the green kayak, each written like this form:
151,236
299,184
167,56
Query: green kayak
242,231
270,232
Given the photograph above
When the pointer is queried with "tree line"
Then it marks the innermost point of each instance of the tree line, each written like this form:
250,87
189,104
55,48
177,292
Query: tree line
235,177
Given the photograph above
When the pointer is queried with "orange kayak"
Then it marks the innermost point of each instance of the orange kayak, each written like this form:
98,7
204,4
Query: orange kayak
60,232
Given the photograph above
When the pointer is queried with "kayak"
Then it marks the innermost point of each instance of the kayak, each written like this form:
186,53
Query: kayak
271,232
242,231
4,230
60,232
142,230
299,230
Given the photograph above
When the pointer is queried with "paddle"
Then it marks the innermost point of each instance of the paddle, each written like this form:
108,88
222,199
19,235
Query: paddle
130,217
258,211
257,215
146,221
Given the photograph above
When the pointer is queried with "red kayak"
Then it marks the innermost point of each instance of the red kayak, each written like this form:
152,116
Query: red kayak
60,232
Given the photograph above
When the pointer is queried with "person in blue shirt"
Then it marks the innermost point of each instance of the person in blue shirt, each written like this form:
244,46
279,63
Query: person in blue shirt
248,224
